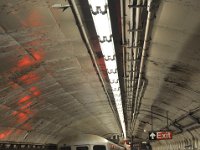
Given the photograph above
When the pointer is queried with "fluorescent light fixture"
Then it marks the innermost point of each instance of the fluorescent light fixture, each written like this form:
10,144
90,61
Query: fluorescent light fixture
101,18
94,3
112,66
115,86
108,49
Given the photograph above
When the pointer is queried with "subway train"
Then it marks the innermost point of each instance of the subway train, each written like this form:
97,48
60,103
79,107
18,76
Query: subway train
88,142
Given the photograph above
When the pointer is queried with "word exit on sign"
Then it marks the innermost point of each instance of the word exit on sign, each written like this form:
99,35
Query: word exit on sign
160,135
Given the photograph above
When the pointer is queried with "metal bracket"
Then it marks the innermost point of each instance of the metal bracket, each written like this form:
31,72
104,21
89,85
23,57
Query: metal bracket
194,118
114,81
98,10
61,6
134,47
137,6
178,126
133,30
132,71
116,89
105,39
109,58
112,71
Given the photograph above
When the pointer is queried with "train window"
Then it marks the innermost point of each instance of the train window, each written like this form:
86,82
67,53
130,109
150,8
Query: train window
65,148
99,147
82,148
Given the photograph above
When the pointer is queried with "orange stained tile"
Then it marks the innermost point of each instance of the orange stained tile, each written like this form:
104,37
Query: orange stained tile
32,89
22,108
26,61
24,99
5,134
34,19
14,113
29,78
22,117
38,55
28,111
37,93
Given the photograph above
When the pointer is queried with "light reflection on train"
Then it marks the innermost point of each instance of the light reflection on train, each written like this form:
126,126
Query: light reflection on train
88,142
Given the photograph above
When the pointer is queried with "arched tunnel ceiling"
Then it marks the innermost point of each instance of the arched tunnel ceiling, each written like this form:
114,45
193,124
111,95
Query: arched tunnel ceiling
172,69
49,87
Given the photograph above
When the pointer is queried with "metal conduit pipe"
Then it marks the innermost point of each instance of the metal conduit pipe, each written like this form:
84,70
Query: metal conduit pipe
129,62
135,51
145,47
133,44
126,57
86,40
129,56
123,22
141,93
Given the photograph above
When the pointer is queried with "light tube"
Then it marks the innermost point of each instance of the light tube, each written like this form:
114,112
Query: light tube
101,18
108,48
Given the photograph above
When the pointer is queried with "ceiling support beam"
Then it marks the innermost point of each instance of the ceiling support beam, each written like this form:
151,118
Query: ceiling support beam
178,126
197,120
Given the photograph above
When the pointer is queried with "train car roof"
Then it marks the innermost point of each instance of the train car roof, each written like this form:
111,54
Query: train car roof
83,139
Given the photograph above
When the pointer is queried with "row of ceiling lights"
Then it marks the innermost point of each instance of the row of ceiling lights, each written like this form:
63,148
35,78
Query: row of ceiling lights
101,18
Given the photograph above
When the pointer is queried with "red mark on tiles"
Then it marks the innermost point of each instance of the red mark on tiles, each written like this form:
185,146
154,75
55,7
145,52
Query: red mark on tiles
24,99
35,91
28,111
32,89
14,113
34,19
5,134
38,56
27,105
26,61
24,103
22,117
29,78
